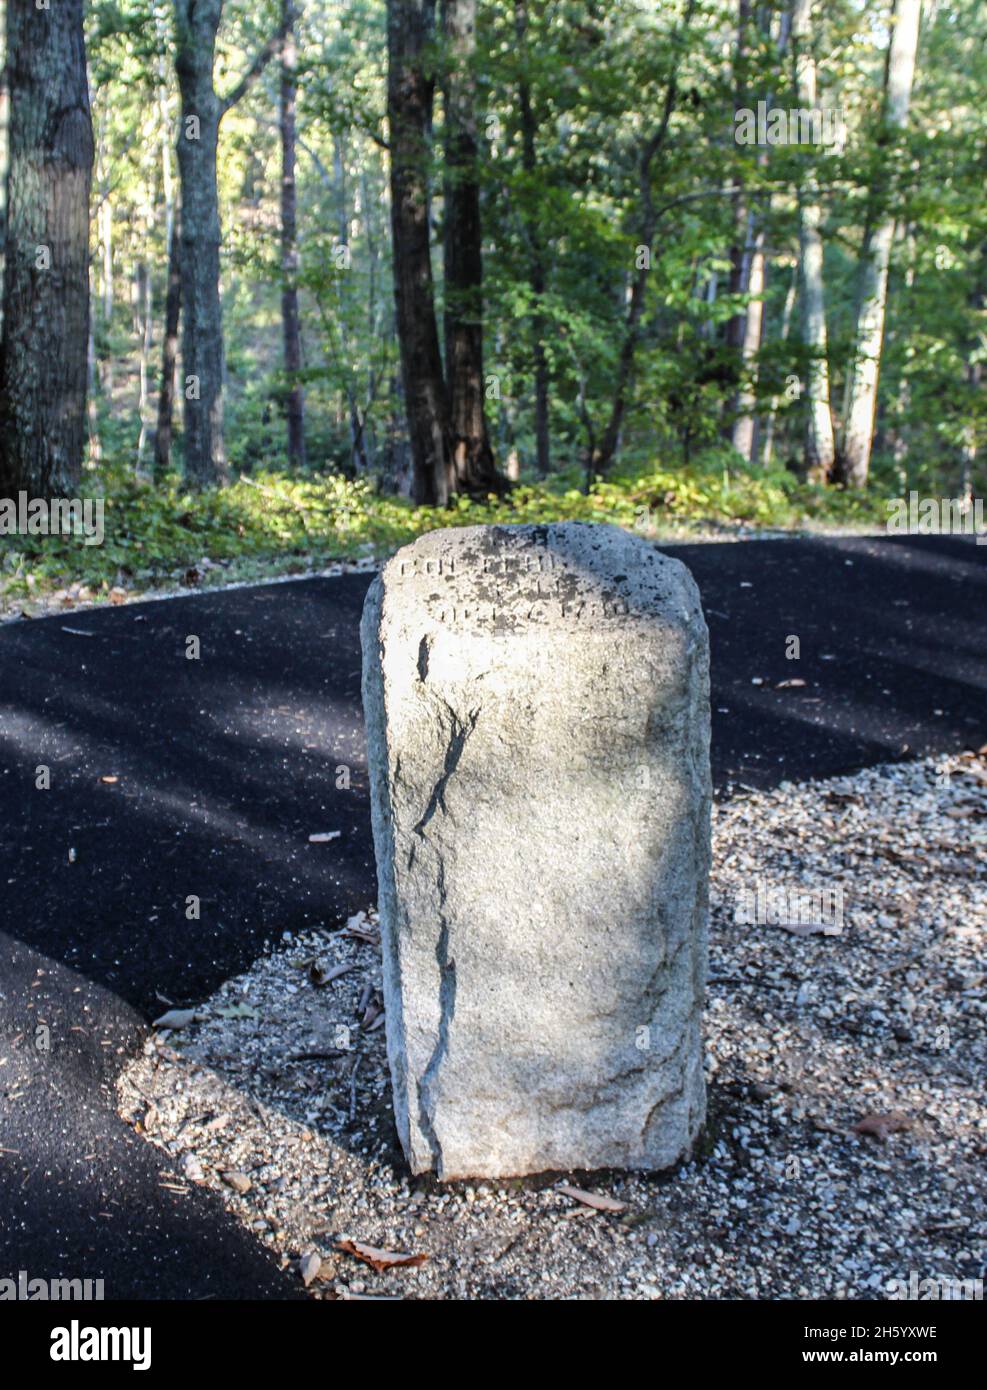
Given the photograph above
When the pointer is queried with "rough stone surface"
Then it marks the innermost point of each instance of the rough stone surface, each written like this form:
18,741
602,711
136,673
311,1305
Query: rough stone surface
537,703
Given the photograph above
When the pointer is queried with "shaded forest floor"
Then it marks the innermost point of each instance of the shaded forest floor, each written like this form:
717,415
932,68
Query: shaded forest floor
159,537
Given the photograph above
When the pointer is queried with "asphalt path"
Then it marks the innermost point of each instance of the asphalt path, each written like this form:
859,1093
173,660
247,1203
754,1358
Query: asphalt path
173,778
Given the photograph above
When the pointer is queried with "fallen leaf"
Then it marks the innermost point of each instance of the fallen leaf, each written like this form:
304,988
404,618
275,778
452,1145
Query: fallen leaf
592,1199
374,1012
371,935
882,1125
379,1259
175,1018
319,975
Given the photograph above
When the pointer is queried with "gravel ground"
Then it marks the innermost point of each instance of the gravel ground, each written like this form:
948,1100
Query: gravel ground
847,1128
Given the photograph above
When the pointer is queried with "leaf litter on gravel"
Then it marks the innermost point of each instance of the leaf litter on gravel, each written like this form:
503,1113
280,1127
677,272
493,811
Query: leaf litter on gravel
806,1038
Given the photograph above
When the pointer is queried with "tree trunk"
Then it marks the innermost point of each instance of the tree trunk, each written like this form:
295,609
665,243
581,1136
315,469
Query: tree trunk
46,279
144,295
410,90
536,268
767,448
740,250
752,321
472,456
202,321
975,376
92,402
289,242
4,146
861,402
820,447
169,352
173,284
600,459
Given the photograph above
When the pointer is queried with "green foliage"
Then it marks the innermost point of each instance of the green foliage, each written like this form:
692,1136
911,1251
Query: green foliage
160,536
597,79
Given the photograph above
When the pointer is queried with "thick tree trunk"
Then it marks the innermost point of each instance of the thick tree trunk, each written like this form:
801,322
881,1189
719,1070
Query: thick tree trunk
46,279
472,455
291,323
410,90
861,400
820,447
202,322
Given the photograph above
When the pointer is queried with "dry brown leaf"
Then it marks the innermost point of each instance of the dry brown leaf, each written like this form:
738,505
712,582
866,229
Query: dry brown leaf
592,1199
379,1259
368,934
319,975
880,1126
374,1012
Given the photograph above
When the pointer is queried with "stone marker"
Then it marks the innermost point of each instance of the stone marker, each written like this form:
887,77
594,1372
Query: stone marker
537,704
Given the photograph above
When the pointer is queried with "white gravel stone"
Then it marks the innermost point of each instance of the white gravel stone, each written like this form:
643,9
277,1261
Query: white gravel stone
235,1089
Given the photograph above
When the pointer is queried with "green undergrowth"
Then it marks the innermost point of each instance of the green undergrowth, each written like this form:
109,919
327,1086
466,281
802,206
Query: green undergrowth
160,536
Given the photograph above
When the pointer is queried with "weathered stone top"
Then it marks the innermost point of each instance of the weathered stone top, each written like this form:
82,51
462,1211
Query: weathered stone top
499,578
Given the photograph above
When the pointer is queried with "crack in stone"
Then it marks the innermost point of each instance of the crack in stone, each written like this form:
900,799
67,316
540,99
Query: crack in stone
454,751
447,1010
460,732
